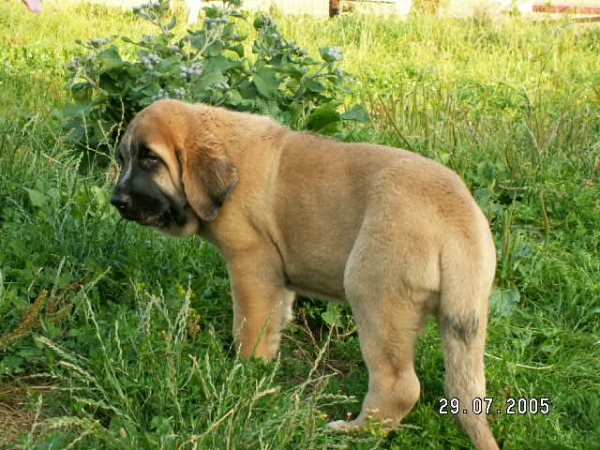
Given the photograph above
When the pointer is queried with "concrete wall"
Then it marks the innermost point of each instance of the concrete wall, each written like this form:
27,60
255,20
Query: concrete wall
313,7
447,8
293,7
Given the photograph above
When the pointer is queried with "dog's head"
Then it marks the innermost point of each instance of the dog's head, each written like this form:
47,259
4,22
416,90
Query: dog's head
175,172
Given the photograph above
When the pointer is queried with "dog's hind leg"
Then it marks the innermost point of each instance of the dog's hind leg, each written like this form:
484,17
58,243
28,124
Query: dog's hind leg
387,338
389,317
389,283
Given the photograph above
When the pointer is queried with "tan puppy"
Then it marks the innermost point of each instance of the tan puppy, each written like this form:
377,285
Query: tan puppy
392,233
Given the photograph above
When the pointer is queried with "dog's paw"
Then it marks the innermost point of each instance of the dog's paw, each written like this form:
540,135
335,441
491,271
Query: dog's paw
342,425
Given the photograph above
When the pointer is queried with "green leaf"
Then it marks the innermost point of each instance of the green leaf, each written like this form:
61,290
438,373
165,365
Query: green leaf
331,315
233,98
220,64
171,24
109,60
504,301
238,49
210,79
293,70
214,49
169,66
266,82
129,40
357,113
315,86
486,172
37,198
322,118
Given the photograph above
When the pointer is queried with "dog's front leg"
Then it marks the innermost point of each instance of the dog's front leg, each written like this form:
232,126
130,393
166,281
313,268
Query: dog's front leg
262,306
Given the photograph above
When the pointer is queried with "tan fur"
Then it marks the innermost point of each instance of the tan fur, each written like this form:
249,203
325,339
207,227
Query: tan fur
395,235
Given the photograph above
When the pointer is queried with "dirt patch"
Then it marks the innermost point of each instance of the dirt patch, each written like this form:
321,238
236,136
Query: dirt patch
22,407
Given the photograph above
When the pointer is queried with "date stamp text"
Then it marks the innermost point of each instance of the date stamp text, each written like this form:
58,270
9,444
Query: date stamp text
488,406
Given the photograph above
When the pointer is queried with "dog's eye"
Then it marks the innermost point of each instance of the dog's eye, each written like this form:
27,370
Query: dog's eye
151,159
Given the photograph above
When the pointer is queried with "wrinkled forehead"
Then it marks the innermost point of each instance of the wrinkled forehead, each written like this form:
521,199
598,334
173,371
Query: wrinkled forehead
145,135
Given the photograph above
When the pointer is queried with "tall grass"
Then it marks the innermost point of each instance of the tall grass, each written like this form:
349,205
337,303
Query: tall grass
180,391
121,336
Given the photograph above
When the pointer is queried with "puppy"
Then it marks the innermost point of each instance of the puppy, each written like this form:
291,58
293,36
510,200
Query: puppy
395,235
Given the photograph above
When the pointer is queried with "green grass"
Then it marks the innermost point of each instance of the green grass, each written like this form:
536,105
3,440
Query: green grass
114,337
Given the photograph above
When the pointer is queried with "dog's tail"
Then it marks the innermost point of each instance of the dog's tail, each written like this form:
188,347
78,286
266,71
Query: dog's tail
467,276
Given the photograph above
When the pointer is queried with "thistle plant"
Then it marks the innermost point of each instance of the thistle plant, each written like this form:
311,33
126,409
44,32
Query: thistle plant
115,77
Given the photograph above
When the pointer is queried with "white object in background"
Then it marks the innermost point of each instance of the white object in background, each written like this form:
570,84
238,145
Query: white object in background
403,7
193,7
525,8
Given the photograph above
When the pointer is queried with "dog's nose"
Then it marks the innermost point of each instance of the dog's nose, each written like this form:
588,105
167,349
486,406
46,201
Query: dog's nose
121,201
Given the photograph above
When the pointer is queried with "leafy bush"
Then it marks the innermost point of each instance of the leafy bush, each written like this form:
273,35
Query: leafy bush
208,65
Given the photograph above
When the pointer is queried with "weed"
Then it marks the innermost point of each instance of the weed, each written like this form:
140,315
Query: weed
207,65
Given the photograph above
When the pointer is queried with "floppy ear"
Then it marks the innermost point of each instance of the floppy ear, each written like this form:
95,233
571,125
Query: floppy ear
208,176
